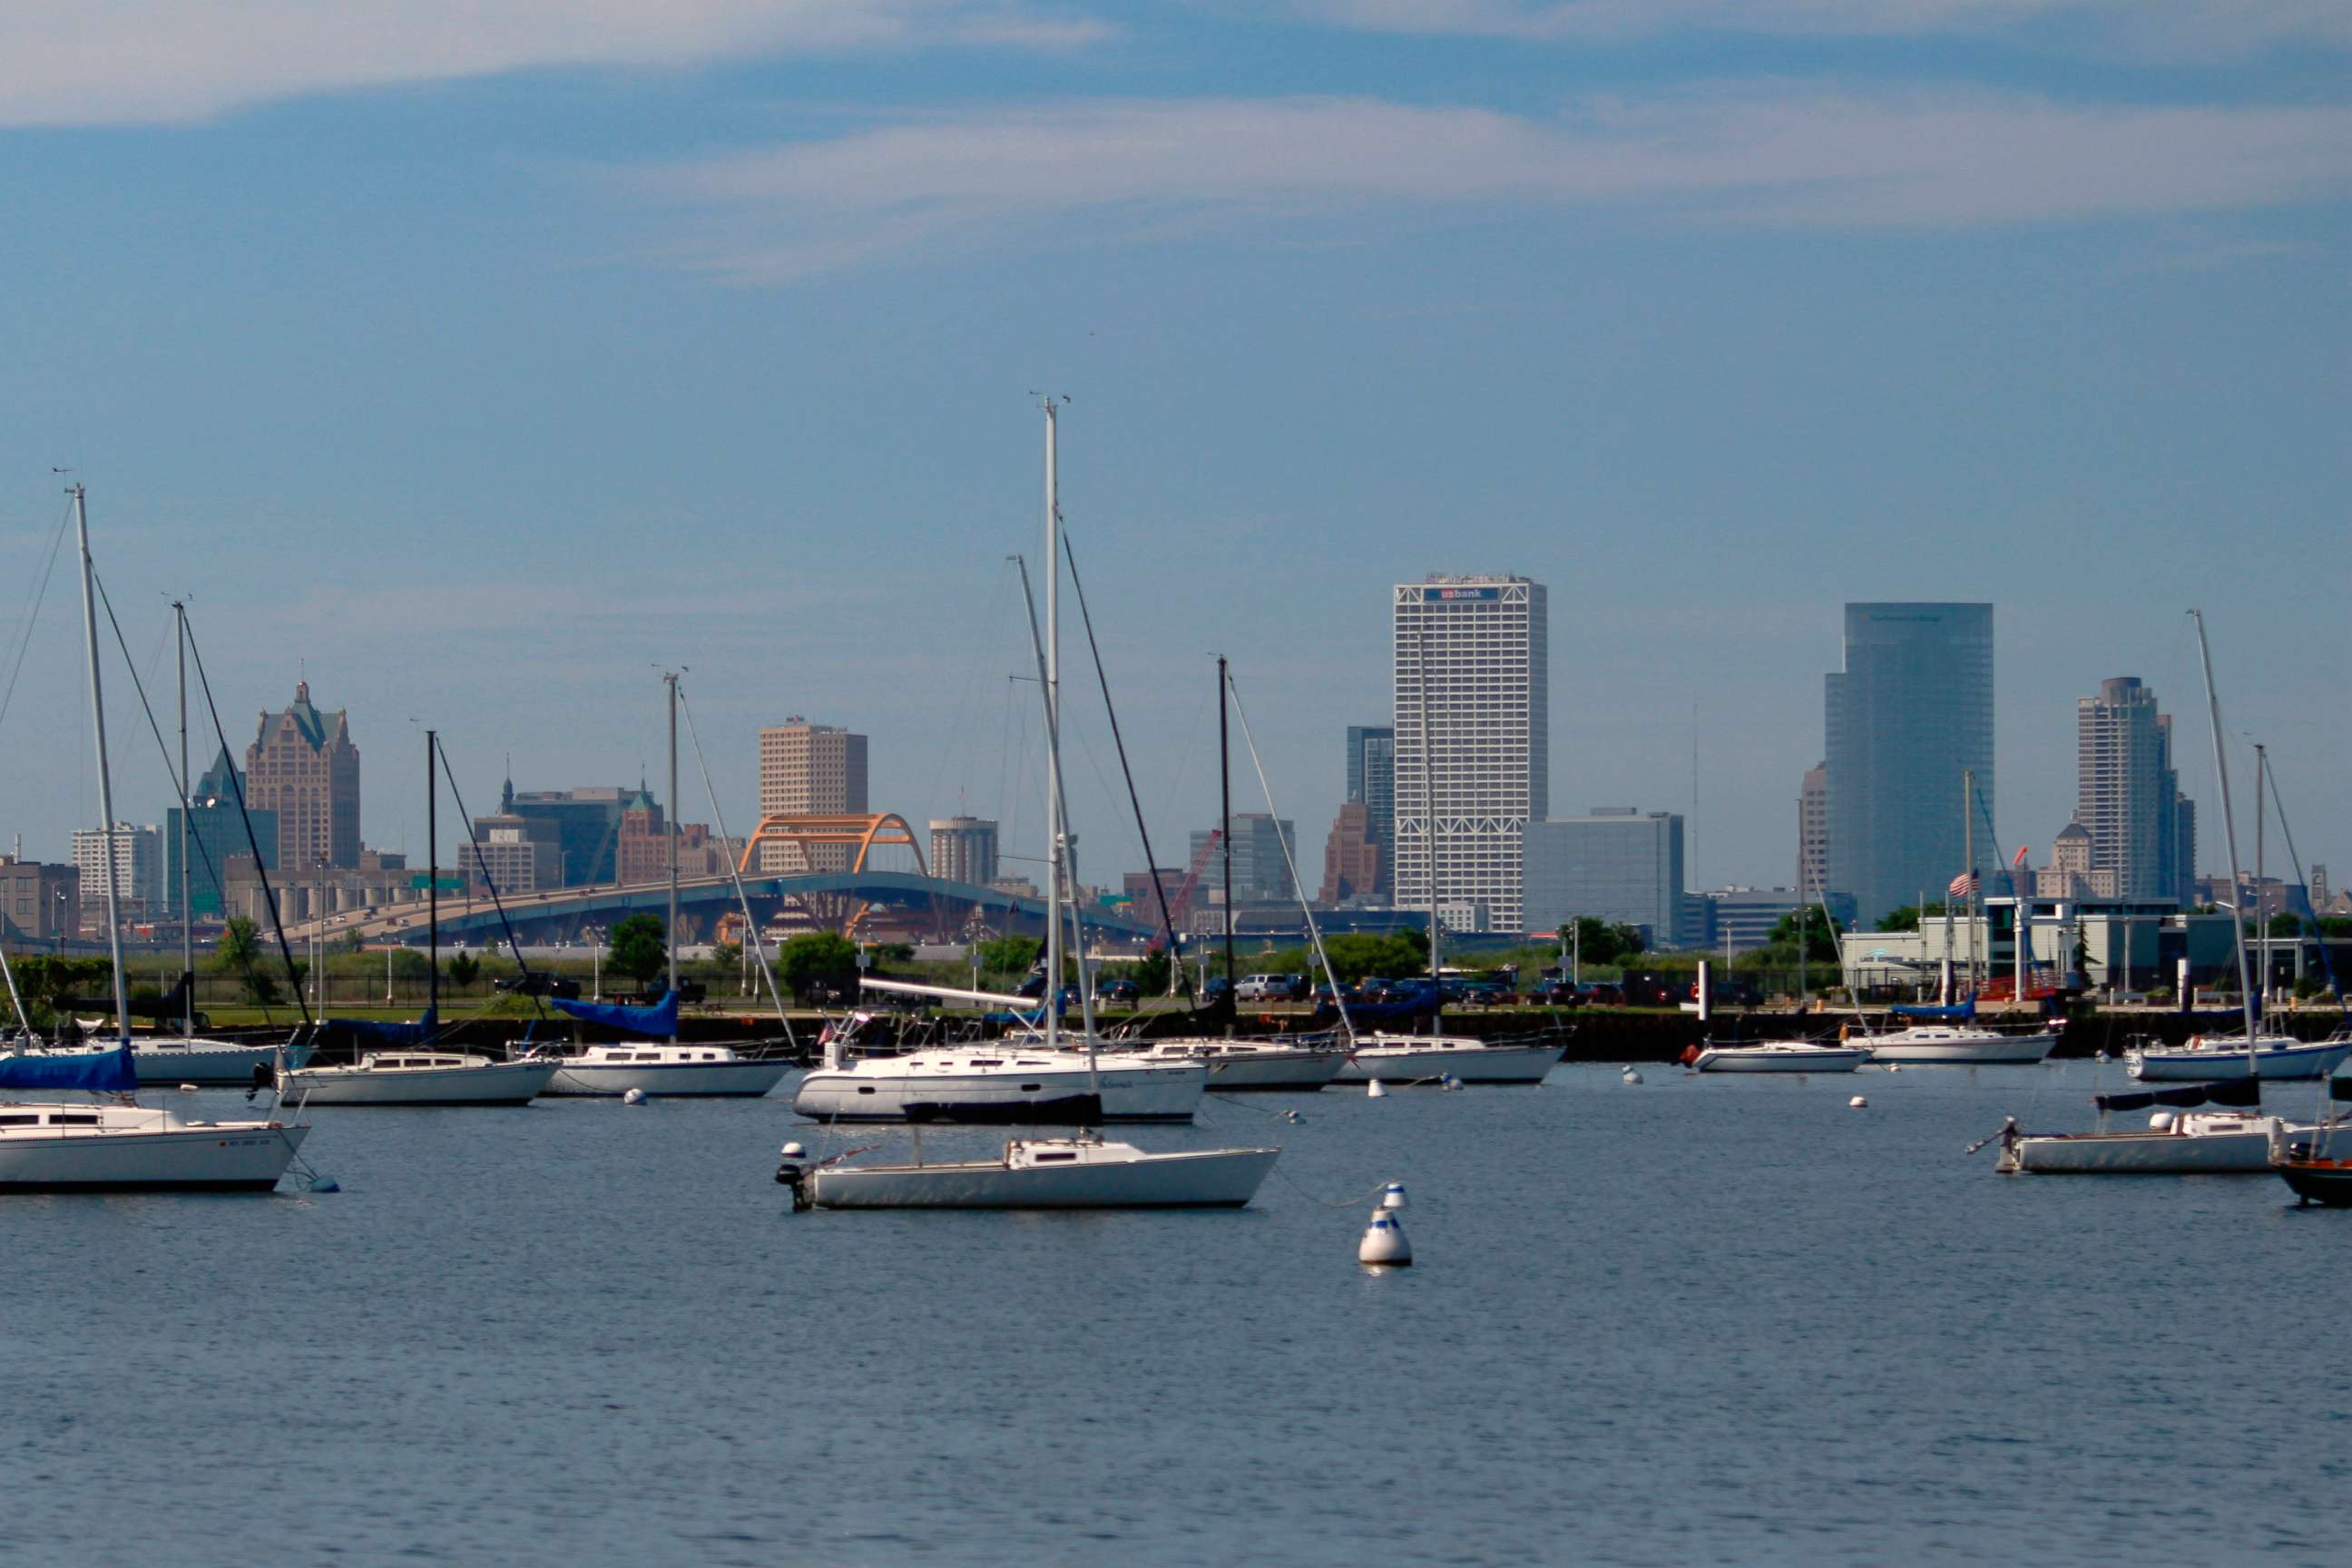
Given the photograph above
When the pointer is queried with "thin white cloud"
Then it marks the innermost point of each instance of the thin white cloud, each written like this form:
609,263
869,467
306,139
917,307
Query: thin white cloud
2202,26
1759,155
95,62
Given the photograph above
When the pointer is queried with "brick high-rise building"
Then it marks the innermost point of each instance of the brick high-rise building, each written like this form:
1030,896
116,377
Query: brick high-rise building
303,766
1813,833
1351,857
814,769
1371,783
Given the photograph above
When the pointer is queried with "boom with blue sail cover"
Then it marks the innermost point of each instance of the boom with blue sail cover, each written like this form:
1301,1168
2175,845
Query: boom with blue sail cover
660,1019
94,1072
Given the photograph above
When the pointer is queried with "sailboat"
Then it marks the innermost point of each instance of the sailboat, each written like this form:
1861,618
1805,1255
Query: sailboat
1297,1064
664,1065
422,1073
1395,1057
2179,1140
116,1144
1084,1170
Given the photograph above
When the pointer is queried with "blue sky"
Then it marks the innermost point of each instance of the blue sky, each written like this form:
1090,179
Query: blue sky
481,355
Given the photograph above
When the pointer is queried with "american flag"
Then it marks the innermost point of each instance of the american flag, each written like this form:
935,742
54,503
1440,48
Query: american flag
1964,884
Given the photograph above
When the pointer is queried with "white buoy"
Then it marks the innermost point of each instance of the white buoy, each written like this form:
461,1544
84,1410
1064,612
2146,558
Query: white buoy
2161,1122
1894,1067
325,1184
1392,1196
793,1152
1384,1245
1449,1081
2100,1058
1376,1090
633,1096
1858,1102
187,1089
1630,1075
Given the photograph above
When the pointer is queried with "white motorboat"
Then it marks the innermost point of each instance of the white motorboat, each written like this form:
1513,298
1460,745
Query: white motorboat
1002,1081
658,1068
1431,1058
1082,1172
115,1148
1780,1055
1949,1044
1244,1065
2225,1057
2232,1143
420,1077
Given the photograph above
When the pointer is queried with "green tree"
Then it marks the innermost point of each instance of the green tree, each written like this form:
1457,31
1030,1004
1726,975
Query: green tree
892,952
407,963
814,958
260,986
240,946
638,948
1150,973
1819,935
1907,918
1009,954
463,970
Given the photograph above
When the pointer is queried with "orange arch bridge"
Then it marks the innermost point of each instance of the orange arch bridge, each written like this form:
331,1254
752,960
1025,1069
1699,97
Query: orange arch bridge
814,831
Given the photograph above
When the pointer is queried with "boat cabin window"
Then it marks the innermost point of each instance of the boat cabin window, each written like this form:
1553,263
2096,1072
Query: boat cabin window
19,1122
1048,1159
73,1120
976,1061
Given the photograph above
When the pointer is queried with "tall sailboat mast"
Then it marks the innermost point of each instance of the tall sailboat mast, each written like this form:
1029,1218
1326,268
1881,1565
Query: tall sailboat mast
1969,839
187,803
432,884
2229,835
1429,800
669,680
105,780
1053,641
1225,824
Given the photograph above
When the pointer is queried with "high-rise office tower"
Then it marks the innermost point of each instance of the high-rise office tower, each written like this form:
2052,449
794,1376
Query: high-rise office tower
810,769
216,830
1613,864
1813,833
1261,874
303,766
1372,783
1470,658
2127,792
1910,714
138,866
963,849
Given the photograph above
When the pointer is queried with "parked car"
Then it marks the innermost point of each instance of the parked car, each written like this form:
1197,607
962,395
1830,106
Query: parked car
1561,993
1272,988
1115,989
1216,989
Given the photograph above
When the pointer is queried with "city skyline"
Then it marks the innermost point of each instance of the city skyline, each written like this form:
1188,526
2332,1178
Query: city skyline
713,346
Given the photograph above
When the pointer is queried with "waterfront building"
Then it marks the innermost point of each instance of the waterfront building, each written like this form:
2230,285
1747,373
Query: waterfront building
1470,661
215,832
1351,858
138,854
513,854
2072,873
1813,831
381,879
585,823
1748,915
1371,783
963,849
303,766
1908,715
811,769
2126,944
1613,864
40,900
1260,876
644,848
2127,793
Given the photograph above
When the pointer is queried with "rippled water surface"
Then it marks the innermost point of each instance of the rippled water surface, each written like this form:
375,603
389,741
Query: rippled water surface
1695,1320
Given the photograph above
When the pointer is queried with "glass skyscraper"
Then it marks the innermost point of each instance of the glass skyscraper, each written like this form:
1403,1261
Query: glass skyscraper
1910,714
1372,783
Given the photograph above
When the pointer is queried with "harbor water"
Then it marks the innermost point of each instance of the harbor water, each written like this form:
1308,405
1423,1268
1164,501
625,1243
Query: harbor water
1689,1320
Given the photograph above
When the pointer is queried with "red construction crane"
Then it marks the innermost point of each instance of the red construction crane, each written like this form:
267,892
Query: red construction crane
1183,902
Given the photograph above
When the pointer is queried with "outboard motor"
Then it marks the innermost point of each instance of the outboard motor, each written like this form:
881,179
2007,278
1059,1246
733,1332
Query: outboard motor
792,1173
265,1076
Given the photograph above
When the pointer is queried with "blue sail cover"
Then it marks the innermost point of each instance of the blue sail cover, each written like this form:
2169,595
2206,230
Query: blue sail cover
1958,1014
368,1031
1420,1001
2231,1091
97,1072
661,1018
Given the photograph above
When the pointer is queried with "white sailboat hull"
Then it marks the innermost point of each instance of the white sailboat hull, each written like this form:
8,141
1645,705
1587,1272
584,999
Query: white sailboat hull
1968,1049
2246,1151
672,1081
187,1157
1248,1065
1216,1178
2275,1058
1409,1058
880,1089
1762,1058
490,1083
